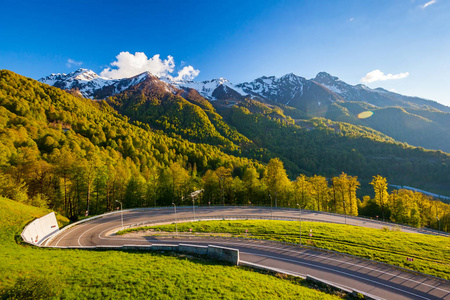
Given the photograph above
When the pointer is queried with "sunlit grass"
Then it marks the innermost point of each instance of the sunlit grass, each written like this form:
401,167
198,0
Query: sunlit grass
431,253
82,274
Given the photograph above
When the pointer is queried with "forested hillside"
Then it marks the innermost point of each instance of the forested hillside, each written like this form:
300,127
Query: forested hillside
320,146
57,149
416,126
79,156
153,102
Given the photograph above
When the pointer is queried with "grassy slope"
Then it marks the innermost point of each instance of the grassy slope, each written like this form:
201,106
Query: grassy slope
431,253
82,274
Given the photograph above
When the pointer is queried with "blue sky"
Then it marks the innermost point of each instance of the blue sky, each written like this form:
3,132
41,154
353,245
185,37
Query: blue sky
403,44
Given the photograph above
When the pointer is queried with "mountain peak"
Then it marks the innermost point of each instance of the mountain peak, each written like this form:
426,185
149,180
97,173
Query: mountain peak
324,76
83,74
219,81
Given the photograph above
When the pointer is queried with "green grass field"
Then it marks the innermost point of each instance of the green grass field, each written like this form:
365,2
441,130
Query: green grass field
431,253
80,274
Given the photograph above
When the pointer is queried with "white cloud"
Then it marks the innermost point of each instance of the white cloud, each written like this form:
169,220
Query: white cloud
377,75
71,62
187,73
129,65
428,4
351,19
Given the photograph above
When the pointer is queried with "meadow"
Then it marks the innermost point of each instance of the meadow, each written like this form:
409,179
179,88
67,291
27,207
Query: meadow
28,272
431,254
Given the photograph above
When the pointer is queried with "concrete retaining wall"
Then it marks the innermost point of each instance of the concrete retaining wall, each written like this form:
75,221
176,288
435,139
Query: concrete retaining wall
193,249
215,252
40,229
222,253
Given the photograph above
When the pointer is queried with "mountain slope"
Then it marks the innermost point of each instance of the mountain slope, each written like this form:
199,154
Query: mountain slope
378,97
58,150
162,106
320,146
291,90
311,146
418,127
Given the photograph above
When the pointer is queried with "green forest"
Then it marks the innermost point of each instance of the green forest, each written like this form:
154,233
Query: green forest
150,147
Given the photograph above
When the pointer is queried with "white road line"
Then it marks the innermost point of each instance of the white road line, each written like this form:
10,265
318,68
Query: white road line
308,254
87,231
345,262
144,213
68,231
336,271
318,256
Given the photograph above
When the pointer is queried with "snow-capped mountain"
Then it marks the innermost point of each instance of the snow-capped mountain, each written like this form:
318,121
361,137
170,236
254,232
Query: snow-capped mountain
378,97
210,89
310,95
83,80
289,89
90,85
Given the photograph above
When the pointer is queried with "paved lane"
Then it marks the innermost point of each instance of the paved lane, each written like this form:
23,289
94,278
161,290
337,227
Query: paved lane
370,277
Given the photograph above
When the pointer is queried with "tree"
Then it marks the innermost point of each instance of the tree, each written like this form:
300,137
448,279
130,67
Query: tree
211,186
320,192
353,185
276,180
224,176
302,191
180,180
65,162
381,195
254,187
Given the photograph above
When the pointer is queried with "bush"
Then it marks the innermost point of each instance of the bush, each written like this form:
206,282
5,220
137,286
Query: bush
29,288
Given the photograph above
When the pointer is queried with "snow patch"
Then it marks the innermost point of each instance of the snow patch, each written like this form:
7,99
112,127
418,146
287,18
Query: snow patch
332,88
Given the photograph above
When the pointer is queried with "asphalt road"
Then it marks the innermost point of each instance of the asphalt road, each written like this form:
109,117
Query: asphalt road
370,277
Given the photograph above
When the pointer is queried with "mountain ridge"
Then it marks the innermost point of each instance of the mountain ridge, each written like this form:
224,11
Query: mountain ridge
322,96
264,87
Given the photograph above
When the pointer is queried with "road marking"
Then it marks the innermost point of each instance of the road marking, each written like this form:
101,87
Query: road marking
318,256
353,264
68,231
132,215
87,231
313,255
336,271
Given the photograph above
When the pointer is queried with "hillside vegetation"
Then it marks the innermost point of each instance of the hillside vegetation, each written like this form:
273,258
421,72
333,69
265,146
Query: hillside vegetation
78,156
419,127
320,146
38,273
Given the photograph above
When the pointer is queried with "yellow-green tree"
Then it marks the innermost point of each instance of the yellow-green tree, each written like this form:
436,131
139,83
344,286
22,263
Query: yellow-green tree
320,192
380,185
225,179
277,182
302,192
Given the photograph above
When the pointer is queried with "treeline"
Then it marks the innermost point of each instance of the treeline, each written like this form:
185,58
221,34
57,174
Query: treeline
337,195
